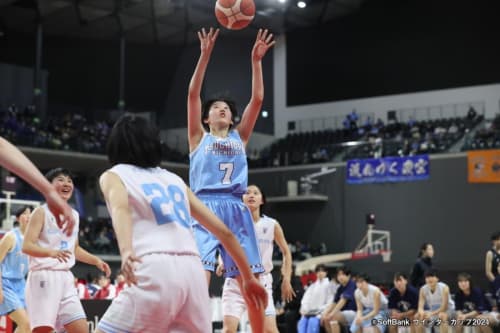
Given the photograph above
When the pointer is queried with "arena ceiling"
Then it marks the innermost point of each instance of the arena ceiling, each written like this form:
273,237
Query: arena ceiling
155,21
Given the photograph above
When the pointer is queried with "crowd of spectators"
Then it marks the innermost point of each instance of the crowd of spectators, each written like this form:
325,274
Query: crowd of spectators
372,139
486,137
69,132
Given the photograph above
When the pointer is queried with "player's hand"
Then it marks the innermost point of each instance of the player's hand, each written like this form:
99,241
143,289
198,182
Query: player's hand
207,40
61,255
287,292
358,321
219,271
129,262
254,293
61,211
103,267
263,42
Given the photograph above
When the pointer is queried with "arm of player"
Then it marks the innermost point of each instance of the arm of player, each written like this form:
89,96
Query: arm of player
376,306
250,285
30,246
263,42
15,161
487,266
287,292
116,197
82,255
359,312
421,303
195,128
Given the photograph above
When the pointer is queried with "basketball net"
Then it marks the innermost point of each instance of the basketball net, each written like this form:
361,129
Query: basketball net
12,204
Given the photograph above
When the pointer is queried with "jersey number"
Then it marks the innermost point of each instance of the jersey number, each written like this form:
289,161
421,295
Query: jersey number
228,172
168,203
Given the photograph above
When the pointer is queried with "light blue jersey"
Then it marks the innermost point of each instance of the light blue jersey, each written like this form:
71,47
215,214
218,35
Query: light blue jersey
218,175
14,270
219,165
15,263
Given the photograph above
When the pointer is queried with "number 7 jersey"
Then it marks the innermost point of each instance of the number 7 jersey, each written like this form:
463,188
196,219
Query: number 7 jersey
159,209
219,165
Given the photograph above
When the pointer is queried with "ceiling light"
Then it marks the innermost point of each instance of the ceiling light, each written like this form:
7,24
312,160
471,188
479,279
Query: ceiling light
265,114
301,4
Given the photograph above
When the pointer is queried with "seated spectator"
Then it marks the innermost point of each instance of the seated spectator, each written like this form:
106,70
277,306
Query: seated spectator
107,290
343,309
81,289
403,301
470,303
471,114
316,298
102,242
434,302
371,306
120,283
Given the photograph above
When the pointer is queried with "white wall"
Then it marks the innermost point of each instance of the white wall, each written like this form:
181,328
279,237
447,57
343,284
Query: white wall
378,106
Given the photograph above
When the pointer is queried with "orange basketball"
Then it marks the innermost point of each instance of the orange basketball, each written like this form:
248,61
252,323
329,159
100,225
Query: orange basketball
234,14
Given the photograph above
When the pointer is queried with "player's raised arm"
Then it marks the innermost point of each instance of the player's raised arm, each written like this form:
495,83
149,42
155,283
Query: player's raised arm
263,42
195,127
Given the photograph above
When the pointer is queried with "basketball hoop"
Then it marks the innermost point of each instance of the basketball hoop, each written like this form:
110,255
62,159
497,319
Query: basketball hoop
386,256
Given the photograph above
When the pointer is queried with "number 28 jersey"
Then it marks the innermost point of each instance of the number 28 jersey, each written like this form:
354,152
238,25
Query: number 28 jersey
219,165
159,209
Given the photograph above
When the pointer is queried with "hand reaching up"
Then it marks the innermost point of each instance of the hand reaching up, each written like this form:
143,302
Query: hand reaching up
207,40
263,42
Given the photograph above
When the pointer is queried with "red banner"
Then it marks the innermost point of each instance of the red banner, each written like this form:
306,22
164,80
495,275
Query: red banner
5,324
484,166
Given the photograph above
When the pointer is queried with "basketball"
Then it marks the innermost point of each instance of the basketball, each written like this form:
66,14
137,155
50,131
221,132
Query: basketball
234,14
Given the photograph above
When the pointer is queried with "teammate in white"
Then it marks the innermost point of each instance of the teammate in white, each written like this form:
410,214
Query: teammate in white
434,303
267,231
371,306
150,208
51,297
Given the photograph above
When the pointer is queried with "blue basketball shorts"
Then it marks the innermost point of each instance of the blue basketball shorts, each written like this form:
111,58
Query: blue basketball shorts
237,217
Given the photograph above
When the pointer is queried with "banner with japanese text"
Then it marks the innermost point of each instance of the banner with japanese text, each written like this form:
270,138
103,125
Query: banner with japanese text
483,166
388,169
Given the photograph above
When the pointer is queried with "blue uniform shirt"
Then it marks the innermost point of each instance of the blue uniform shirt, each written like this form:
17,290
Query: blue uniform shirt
475,301
15,263
347,292
219,165
406,302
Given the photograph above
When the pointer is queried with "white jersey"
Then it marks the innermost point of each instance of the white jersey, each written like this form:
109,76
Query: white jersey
53,237
264,232
368,300
159,208
434,299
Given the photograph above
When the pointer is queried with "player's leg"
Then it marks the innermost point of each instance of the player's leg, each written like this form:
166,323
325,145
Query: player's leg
77,326
233,305
270,325
230,324
20,317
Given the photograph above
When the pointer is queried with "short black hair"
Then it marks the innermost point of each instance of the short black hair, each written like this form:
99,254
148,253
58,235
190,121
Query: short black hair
205,109
53,173
321,268
495,236
133,140
21,210
399,276
464,277
345,270
431,272
362,277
